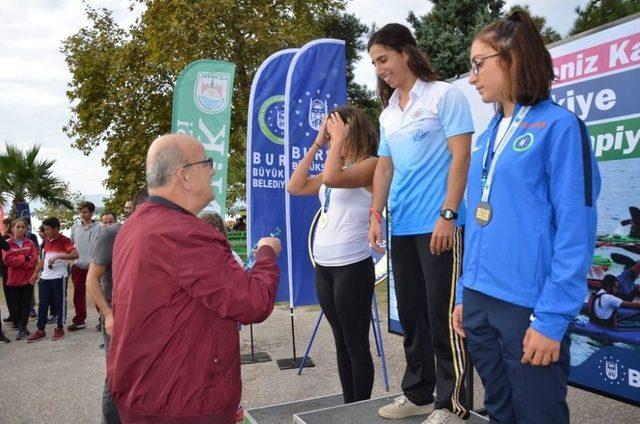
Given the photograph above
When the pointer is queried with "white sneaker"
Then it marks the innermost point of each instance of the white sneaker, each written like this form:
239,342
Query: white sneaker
403,407
443,416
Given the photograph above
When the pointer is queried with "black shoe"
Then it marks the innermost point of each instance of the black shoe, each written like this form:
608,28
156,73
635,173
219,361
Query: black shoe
22,334
3,339
76,327
101,346
7,319
99,327
33,313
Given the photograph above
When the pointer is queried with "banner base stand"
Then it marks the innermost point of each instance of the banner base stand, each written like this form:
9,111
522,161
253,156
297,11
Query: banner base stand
294,363
256,358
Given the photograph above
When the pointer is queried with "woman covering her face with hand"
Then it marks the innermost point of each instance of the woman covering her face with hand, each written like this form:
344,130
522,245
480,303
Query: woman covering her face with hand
344,270
530,232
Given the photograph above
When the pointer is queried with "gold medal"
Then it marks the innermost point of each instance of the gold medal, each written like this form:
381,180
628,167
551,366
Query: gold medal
483,213
323,221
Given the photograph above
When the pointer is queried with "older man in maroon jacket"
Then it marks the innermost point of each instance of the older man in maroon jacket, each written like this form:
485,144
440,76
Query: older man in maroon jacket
178,295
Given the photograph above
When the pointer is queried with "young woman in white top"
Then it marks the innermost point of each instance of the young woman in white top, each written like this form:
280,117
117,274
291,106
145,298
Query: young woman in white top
345,275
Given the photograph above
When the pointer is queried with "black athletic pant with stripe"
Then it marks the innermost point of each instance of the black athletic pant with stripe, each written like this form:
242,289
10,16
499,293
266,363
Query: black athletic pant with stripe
425,287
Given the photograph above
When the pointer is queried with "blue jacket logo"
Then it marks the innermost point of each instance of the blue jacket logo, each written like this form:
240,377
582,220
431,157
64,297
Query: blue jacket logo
522,143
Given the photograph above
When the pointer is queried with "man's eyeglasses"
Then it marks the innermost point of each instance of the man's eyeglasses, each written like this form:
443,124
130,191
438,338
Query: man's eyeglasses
475,64
208,161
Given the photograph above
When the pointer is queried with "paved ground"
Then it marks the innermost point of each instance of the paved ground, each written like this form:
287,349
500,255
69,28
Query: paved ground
61,381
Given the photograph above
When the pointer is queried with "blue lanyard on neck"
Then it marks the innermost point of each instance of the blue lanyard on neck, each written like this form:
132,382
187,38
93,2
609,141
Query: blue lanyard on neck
490,150
327,199
488,156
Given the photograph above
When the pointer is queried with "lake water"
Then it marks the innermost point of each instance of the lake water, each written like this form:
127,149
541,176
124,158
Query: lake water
620,189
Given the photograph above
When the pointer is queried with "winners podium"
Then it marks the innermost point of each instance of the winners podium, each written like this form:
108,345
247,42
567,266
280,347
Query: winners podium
331,409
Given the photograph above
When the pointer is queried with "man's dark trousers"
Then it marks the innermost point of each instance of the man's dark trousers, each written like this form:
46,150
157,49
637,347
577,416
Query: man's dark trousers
54,289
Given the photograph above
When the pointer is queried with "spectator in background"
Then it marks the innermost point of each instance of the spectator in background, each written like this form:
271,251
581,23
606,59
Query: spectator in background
240,225
99,286
53,317
41,234
128,208
21,259
216,221
6,230
4,245
83,235
34,239
32,236
108,219
58,249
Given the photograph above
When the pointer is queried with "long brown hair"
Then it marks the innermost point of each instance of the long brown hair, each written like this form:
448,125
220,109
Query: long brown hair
362,139
399,38
526,62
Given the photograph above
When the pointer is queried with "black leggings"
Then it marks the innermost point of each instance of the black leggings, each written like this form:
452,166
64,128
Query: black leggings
21,297
345,294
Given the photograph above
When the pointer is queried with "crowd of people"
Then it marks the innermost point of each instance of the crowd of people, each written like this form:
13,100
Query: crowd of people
171,291
48,264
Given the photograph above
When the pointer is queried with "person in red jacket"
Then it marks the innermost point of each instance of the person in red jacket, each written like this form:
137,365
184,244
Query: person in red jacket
21,259
178,295
3,246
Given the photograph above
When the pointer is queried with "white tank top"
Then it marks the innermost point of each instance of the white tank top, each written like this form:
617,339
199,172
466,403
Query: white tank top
342,240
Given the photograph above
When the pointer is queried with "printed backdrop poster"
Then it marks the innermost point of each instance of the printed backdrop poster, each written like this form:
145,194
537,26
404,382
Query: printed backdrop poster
597,78
202,108
265,157
316,83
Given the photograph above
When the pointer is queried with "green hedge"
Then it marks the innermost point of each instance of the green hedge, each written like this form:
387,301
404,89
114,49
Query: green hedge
238,241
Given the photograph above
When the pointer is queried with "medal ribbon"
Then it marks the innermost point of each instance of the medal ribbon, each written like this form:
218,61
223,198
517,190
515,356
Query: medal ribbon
487,175
327,199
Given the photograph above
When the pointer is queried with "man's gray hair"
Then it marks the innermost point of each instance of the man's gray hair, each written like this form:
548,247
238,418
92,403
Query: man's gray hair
165,161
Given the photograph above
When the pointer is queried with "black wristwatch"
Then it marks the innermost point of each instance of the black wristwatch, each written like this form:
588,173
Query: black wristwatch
448,214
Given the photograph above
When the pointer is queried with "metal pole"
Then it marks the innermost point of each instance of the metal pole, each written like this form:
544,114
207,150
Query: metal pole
378,333
293,333
313,336
251,336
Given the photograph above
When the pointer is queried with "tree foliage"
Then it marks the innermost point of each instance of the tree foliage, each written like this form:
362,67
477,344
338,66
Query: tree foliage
25,177
65,214
345,26
446,31
122,79
600,12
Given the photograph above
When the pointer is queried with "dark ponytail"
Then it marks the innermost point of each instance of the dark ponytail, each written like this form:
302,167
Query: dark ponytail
399,38
523,56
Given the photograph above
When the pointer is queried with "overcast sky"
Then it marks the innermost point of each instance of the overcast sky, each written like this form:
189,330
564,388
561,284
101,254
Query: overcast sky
34,75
